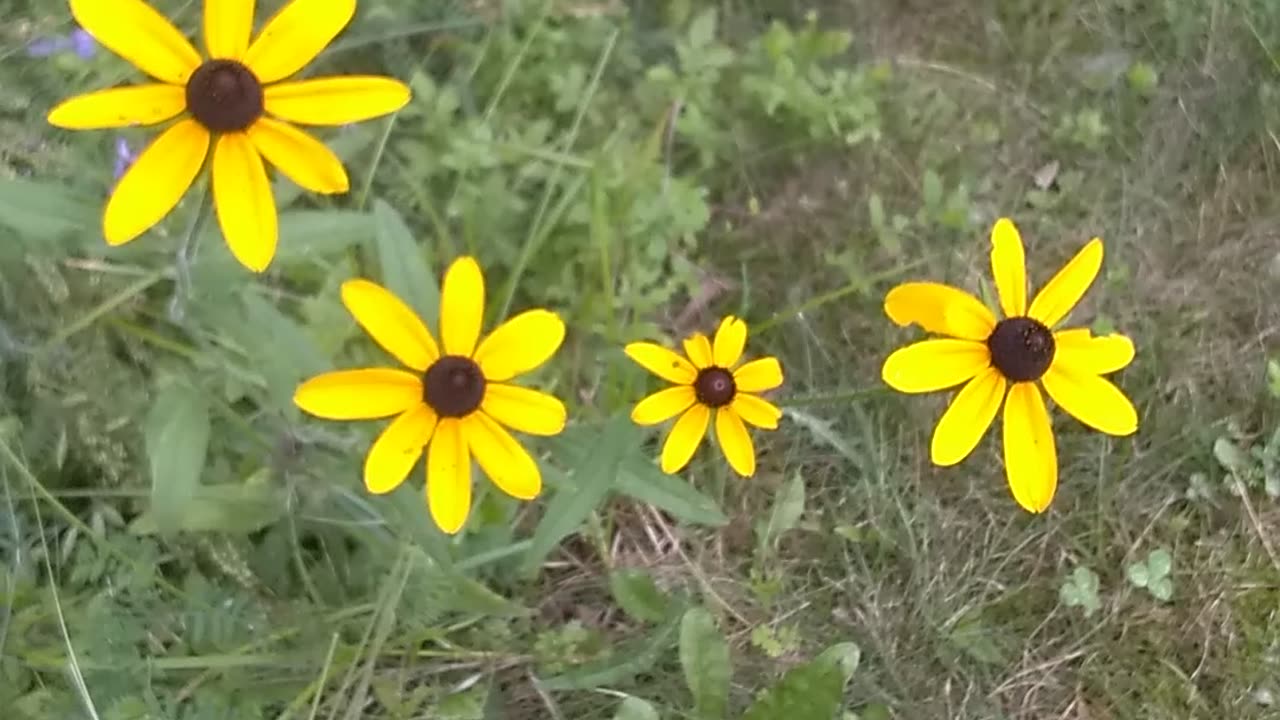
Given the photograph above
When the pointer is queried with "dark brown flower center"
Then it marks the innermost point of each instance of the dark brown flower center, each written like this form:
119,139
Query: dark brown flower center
453,386
224,96
714,387
1021,348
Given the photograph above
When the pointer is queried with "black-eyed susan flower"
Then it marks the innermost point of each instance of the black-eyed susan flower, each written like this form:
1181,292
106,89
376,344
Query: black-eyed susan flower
231,105
1002,360
708,382
455,398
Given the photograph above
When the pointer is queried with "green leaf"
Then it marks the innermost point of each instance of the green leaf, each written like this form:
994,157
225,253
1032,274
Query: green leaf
306,235
1137,574
233,508
404,266
1230,456
633,708
702,31
638,595
642,479
47,211
177,439
809,692
788,506
279,349
932,191
1159,563
704,657
846,656
1162,589
590,481
629,660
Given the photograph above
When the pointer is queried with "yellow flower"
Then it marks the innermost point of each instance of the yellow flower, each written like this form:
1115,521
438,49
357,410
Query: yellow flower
453,403
234,102
705,382
992,356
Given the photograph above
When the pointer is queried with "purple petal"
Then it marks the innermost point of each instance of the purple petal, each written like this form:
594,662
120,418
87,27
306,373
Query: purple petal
124,157
84,44
44,47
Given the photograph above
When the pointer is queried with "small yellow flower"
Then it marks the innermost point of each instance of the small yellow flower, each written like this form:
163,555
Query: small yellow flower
233,101
452,403
708,381
992,356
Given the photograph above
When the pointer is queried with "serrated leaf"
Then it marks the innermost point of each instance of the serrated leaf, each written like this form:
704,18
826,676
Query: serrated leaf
591,481
177,440
638,595
404,266
704,657
809,692
1159,563
633,708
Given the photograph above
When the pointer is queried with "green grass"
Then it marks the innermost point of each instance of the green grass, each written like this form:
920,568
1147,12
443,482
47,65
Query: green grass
541,141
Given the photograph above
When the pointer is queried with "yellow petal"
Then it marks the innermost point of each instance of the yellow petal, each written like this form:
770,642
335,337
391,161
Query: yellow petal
939,309
967,418
461,307
1092,400
1079,351
397,449
508,465
1030,456
294,36
120,107
449,476
934,365
359,394
133,30
242,196
756,411
735,442
156,181
731,338
684,437
336,100
227,26
520,344
391,324
1009,267
758,375
305,160
662,362
1065,289
663,405
525,410
698,348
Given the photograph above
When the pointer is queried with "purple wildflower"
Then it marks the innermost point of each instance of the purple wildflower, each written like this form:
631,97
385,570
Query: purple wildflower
79,42
124,157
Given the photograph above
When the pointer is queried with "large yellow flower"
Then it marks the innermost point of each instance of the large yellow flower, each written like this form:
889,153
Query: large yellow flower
992,356
234,102
455,402
708,381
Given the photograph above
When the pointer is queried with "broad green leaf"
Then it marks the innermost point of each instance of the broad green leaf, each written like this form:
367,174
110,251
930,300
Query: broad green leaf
177,440
633,708
629,660
704,657
932,190
280,351
403,261
47,211
788,506
235,508
640,477
1162,589
812,691
846,656
591,480
1137,574
1159,563
306,235
638,595
703,29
